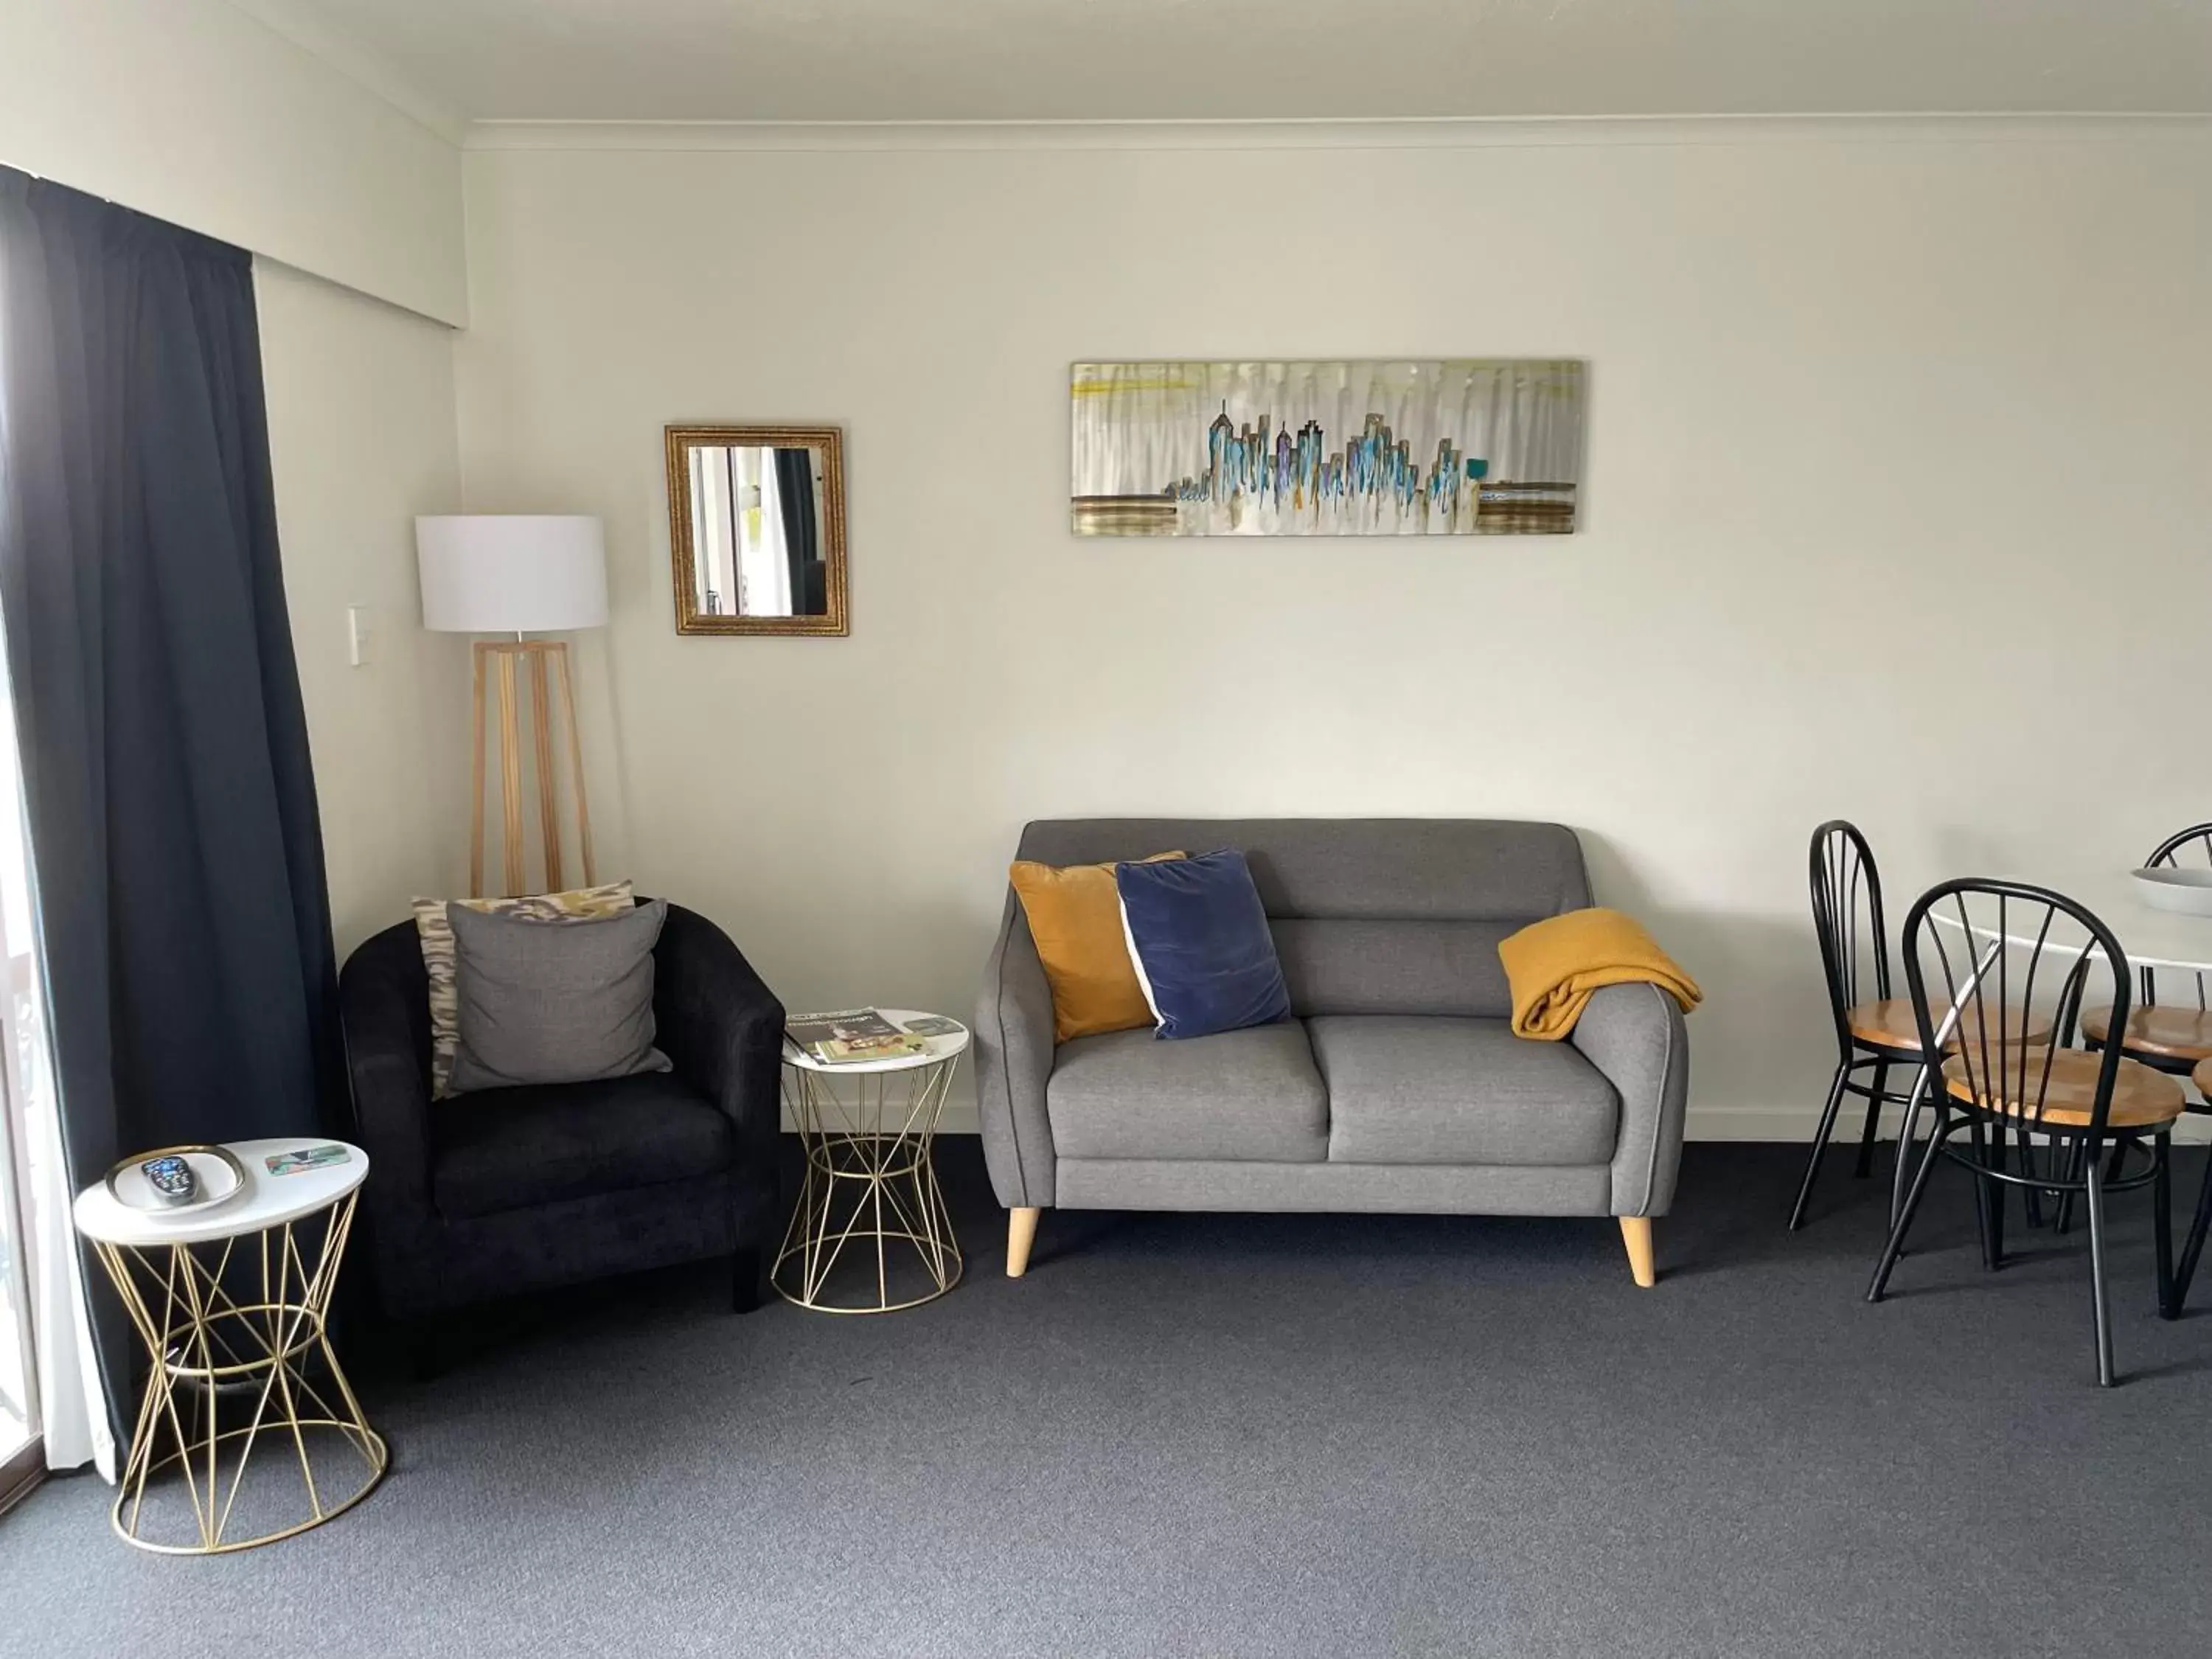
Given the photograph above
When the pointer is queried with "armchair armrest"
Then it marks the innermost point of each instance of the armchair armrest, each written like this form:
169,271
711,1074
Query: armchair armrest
384,1010
1634,1034
1013,1059
721,1027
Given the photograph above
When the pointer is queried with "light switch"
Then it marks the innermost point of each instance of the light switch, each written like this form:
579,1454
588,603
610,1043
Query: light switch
356,635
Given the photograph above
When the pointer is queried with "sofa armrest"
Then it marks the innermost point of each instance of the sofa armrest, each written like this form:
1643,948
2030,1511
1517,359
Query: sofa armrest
1635,1036
721,1028
1014,1061
384,1012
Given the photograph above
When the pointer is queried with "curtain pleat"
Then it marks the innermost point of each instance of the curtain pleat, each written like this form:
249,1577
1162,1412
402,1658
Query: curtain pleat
183,922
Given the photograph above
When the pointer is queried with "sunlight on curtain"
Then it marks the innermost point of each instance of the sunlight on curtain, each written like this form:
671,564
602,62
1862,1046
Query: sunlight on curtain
48,1375
711,488
52,1268
767,565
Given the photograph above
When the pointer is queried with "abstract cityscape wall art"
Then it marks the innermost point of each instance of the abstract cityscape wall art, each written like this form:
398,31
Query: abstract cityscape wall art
1454,447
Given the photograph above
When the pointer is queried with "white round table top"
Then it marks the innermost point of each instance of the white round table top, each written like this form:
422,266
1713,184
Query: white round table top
264,1200
940,1048
2151,938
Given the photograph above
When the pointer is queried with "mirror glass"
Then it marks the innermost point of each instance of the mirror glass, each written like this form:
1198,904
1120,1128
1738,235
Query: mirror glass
756,517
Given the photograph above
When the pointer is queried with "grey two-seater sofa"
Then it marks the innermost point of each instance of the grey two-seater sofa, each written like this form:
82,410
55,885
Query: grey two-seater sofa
1398,1086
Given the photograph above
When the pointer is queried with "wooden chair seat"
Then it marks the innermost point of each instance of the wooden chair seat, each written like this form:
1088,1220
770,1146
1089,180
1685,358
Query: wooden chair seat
1893,1023
2142,1098
2168,1033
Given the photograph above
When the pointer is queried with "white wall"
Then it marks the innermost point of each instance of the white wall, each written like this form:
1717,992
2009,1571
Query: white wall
1897,507
198,113
361,439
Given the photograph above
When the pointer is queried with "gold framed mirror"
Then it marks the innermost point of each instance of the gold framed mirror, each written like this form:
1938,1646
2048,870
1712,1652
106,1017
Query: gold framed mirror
757,528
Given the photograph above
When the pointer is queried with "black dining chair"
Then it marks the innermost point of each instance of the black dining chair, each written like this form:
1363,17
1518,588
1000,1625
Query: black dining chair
2201,1223
2016,1110
1876,1033
2173,1036
1854,947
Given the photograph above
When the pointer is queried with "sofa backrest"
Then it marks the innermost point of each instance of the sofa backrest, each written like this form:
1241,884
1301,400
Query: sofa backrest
1370,915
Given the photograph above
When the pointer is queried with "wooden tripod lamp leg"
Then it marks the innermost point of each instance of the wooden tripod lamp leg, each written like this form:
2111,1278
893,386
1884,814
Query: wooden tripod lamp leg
510,772
501,658
560,650
476,792
549,817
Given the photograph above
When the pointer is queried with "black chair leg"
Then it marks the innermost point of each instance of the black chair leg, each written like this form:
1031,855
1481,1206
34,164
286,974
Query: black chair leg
1819,1144
2031,1197
2094,1180
1999,1194
2066,1200
1904,1222
2191,1251
1989,1199
2074,1174
1901,1173
2161,1206
429,1349
749,1285
1874,1095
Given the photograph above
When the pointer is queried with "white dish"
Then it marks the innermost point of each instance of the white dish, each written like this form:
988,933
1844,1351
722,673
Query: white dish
219,1181
2188,892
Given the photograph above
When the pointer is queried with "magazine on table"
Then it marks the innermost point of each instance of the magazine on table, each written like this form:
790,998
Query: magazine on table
848,1037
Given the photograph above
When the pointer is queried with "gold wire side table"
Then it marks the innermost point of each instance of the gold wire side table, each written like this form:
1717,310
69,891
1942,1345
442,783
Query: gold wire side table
868,1202
232,1301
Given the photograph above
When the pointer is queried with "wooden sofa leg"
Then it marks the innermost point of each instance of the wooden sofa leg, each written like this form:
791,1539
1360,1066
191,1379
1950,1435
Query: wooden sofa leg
1636,1233
1021,1233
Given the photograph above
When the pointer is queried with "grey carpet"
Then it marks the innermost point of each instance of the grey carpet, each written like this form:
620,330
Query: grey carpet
1264,1435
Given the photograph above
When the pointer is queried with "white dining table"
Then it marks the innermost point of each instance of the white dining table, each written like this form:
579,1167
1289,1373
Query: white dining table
2148,937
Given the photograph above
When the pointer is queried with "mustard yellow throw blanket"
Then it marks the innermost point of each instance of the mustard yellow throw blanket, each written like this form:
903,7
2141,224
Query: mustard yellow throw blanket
1553,966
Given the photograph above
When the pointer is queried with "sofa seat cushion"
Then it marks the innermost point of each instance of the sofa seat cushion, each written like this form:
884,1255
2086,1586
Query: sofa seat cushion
1251,1095
1404,1089
513,1149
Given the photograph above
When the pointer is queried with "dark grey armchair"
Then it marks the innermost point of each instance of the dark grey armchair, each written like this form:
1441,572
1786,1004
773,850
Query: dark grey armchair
487,1194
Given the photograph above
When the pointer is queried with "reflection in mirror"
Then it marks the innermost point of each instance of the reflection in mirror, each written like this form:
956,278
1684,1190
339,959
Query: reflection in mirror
755,531
757,519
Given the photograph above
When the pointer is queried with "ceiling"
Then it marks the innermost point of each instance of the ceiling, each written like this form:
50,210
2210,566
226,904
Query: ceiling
915,60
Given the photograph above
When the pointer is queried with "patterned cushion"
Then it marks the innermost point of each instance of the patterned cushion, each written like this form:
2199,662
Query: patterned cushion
437,935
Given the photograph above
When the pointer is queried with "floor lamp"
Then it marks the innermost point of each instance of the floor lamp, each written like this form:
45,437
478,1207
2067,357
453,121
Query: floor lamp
519,574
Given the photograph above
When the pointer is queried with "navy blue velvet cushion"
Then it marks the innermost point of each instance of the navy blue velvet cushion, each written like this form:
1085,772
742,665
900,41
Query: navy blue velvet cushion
1199,937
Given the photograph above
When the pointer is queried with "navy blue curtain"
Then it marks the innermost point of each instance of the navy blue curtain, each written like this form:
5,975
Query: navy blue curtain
794,490
182,919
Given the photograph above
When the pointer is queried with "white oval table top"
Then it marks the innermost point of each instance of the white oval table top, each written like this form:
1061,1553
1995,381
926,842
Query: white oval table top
940,1048
2152,937
264,1201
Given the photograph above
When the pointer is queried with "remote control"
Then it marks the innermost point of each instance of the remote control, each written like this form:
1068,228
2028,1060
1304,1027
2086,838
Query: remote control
171,1178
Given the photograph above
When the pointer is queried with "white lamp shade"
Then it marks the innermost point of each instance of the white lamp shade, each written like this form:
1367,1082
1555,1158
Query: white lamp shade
498,573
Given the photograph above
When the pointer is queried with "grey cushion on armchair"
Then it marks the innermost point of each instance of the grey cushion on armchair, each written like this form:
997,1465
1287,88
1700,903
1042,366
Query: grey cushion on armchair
514,1189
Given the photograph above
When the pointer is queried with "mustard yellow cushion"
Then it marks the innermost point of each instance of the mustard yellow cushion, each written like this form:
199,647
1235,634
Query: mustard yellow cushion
1075,917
